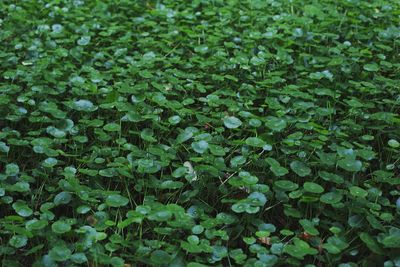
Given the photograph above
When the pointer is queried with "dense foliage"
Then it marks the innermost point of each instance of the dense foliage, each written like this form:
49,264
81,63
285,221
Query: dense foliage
204,132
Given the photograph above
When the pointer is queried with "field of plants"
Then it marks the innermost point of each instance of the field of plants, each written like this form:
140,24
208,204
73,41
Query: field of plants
199,133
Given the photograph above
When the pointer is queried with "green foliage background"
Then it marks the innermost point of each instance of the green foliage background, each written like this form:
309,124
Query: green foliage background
205,132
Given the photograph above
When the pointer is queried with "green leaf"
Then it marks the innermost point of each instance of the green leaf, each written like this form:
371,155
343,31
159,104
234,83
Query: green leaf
217,150
84,40
116,200
286,185
331,177
299,249
145,74
335,245
350,164
358,191
393,143
112,127
197,229
238,160
313,188
240,207
371,67
200,146
117,262
257,199
331,198
12,169
279,170
391,239
174,119
60,253
300,168
255,142
371,243
193,239
183,137
20,187
61,227
232,122
83,209
35,225
62,198
109,172
255,123
22,209
83,105
276,124
276,168
18,241
148,135
4,147
50,162
309,227
148,166
160,216
169,184
161,133
160,257
202,49
79,258
179,172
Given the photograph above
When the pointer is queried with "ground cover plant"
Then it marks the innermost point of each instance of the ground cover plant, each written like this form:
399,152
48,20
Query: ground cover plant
199,133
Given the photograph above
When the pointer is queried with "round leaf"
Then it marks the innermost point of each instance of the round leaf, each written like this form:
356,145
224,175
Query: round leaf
350,164
200,146
300,168
18,241
371,67
232,122
255,141
60,253
313,188
331,198
61,227
358,191
116,200
286,185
